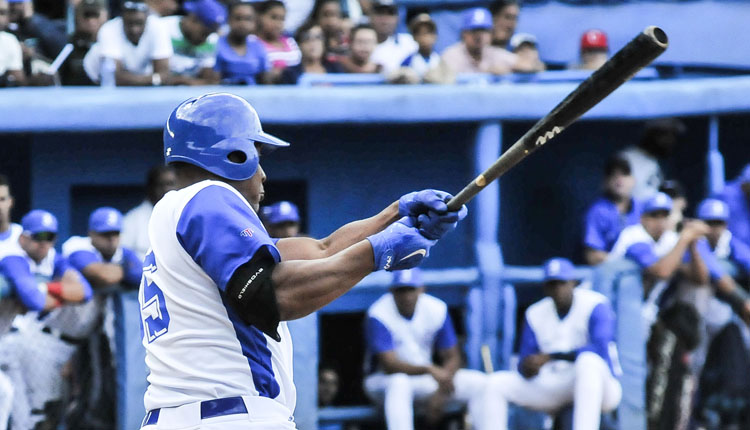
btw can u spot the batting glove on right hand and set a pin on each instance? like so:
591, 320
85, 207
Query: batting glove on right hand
420, 202
400, 246
434, 225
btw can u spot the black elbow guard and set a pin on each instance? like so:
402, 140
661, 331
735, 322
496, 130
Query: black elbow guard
251, 293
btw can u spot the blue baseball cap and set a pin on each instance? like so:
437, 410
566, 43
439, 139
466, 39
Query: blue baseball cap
210, 12
407, 278
658, 202
39, 221
280, 212
713, 210
559, 269
477, 18
105, 219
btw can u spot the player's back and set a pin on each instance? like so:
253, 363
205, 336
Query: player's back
197, 346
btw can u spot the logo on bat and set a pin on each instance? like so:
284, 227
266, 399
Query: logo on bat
541, 140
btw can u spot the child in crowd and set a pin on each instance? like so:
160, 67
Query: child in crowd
525, 46
282, 50
424, 31
241, 58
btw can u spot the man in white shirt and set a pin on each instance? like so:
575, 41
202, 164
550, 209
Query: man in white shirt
393, 48
139, 45
11, 57
134, 233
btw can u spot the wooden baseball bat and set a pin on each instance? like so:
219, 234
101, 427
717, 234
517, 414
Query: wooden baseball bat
638, 53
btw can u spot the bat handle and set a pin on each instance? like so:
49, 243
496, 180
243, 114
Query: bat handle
467, 193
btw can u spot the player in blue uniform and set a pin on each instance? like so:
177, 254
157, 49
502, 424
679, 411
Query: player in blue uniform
612, 212
42, 281
281, 219
404, 328
217, 290
567, 355
736, 194
724, 244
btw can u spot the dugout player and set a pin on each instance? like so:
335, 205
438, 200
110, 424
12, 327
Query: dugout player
42, 280
217, 290
281, 219
567, 354
9, 231
404, 328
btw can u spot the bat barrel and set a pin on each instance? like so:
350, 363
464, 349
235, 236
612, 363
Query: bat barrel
638, 53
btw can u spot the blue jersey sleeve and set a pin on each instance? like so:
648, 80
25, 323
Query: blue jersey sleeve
529, 344
445, 338
378, 337
16, 270
62, 265
221, 233
740, 254
133, 268
709, 258
81, 259
601, 331
642, 253
594, 235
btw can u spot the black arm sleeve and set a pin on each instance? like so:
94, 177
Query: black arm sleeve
251, 293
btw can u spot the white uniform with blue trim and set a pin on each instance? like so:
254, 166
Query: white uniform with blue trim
197, 347
413, 340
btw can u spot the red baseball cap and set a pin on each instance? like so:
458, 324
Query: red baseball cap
594, 39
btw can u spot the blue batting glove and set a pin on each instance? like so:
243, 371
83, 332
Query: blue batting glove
434, 225
400, 246
420, 202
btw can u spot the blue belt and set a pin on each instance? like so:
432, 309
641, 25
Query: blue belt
209, 409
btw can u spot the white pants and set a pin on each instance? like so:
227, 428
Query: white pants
263, 414
589, 384
397, 393
6, 400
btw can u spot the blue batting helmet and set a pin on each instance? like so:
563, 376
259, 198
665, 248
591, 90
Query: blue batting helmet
206, 130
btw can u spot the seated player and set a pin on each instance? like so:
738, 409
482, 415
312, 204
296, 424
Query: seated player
567, 355
715, 213
281, 219
404, 327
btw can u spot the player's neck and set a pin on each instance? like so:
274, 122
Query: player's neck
4, 226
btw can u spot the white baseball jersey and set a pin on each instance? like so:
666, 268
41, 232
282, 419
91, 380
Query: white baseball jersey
412, 339
647, 248
197, 346
588, 326
10, 236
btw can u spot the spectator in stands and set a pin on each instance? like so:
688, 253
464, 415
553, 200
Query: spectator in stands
89, 17
328, 385
9, 231
676, 192
43, 281
524, 45
363, 41
310, 38
139, 46
504, 20
163, 7
403, 330
159, 181
416, 65
393, 47
282, 50
11, 55
327, 14
40, 36
281, 219
594, 50
474, 54
725, 245
567, 353
194, 41
658, 142
241, 58
612, 212
736, 194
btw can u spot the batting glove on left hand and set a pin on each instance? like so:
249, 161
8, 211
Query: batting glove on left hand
400, 246
434, 225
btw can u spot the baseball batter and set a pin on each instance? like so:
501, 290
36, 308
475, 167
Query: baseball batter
567, 355
217, 289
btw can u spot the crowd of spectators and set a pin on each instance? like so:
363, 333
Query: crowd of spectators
242, 42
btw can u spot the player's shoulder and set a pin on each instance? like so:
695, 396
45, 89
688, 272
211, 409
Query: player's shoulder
11, 249
540, 309
589, 297
77, 243
383, 308
634, 233
432, 303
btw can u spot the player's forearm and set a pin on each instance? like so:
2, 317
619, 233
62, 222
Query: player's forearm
103, 274
304, 286
697, 267
398, 366
451, 360
666, 266
74, 289
595, 256
357, 231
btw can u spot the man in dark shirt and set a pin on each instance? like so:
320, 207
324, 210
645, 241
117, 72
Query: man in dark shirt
90, 15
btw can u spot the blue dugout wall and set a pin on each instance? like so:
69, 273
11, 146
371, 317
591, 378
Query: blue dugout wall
357, 149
